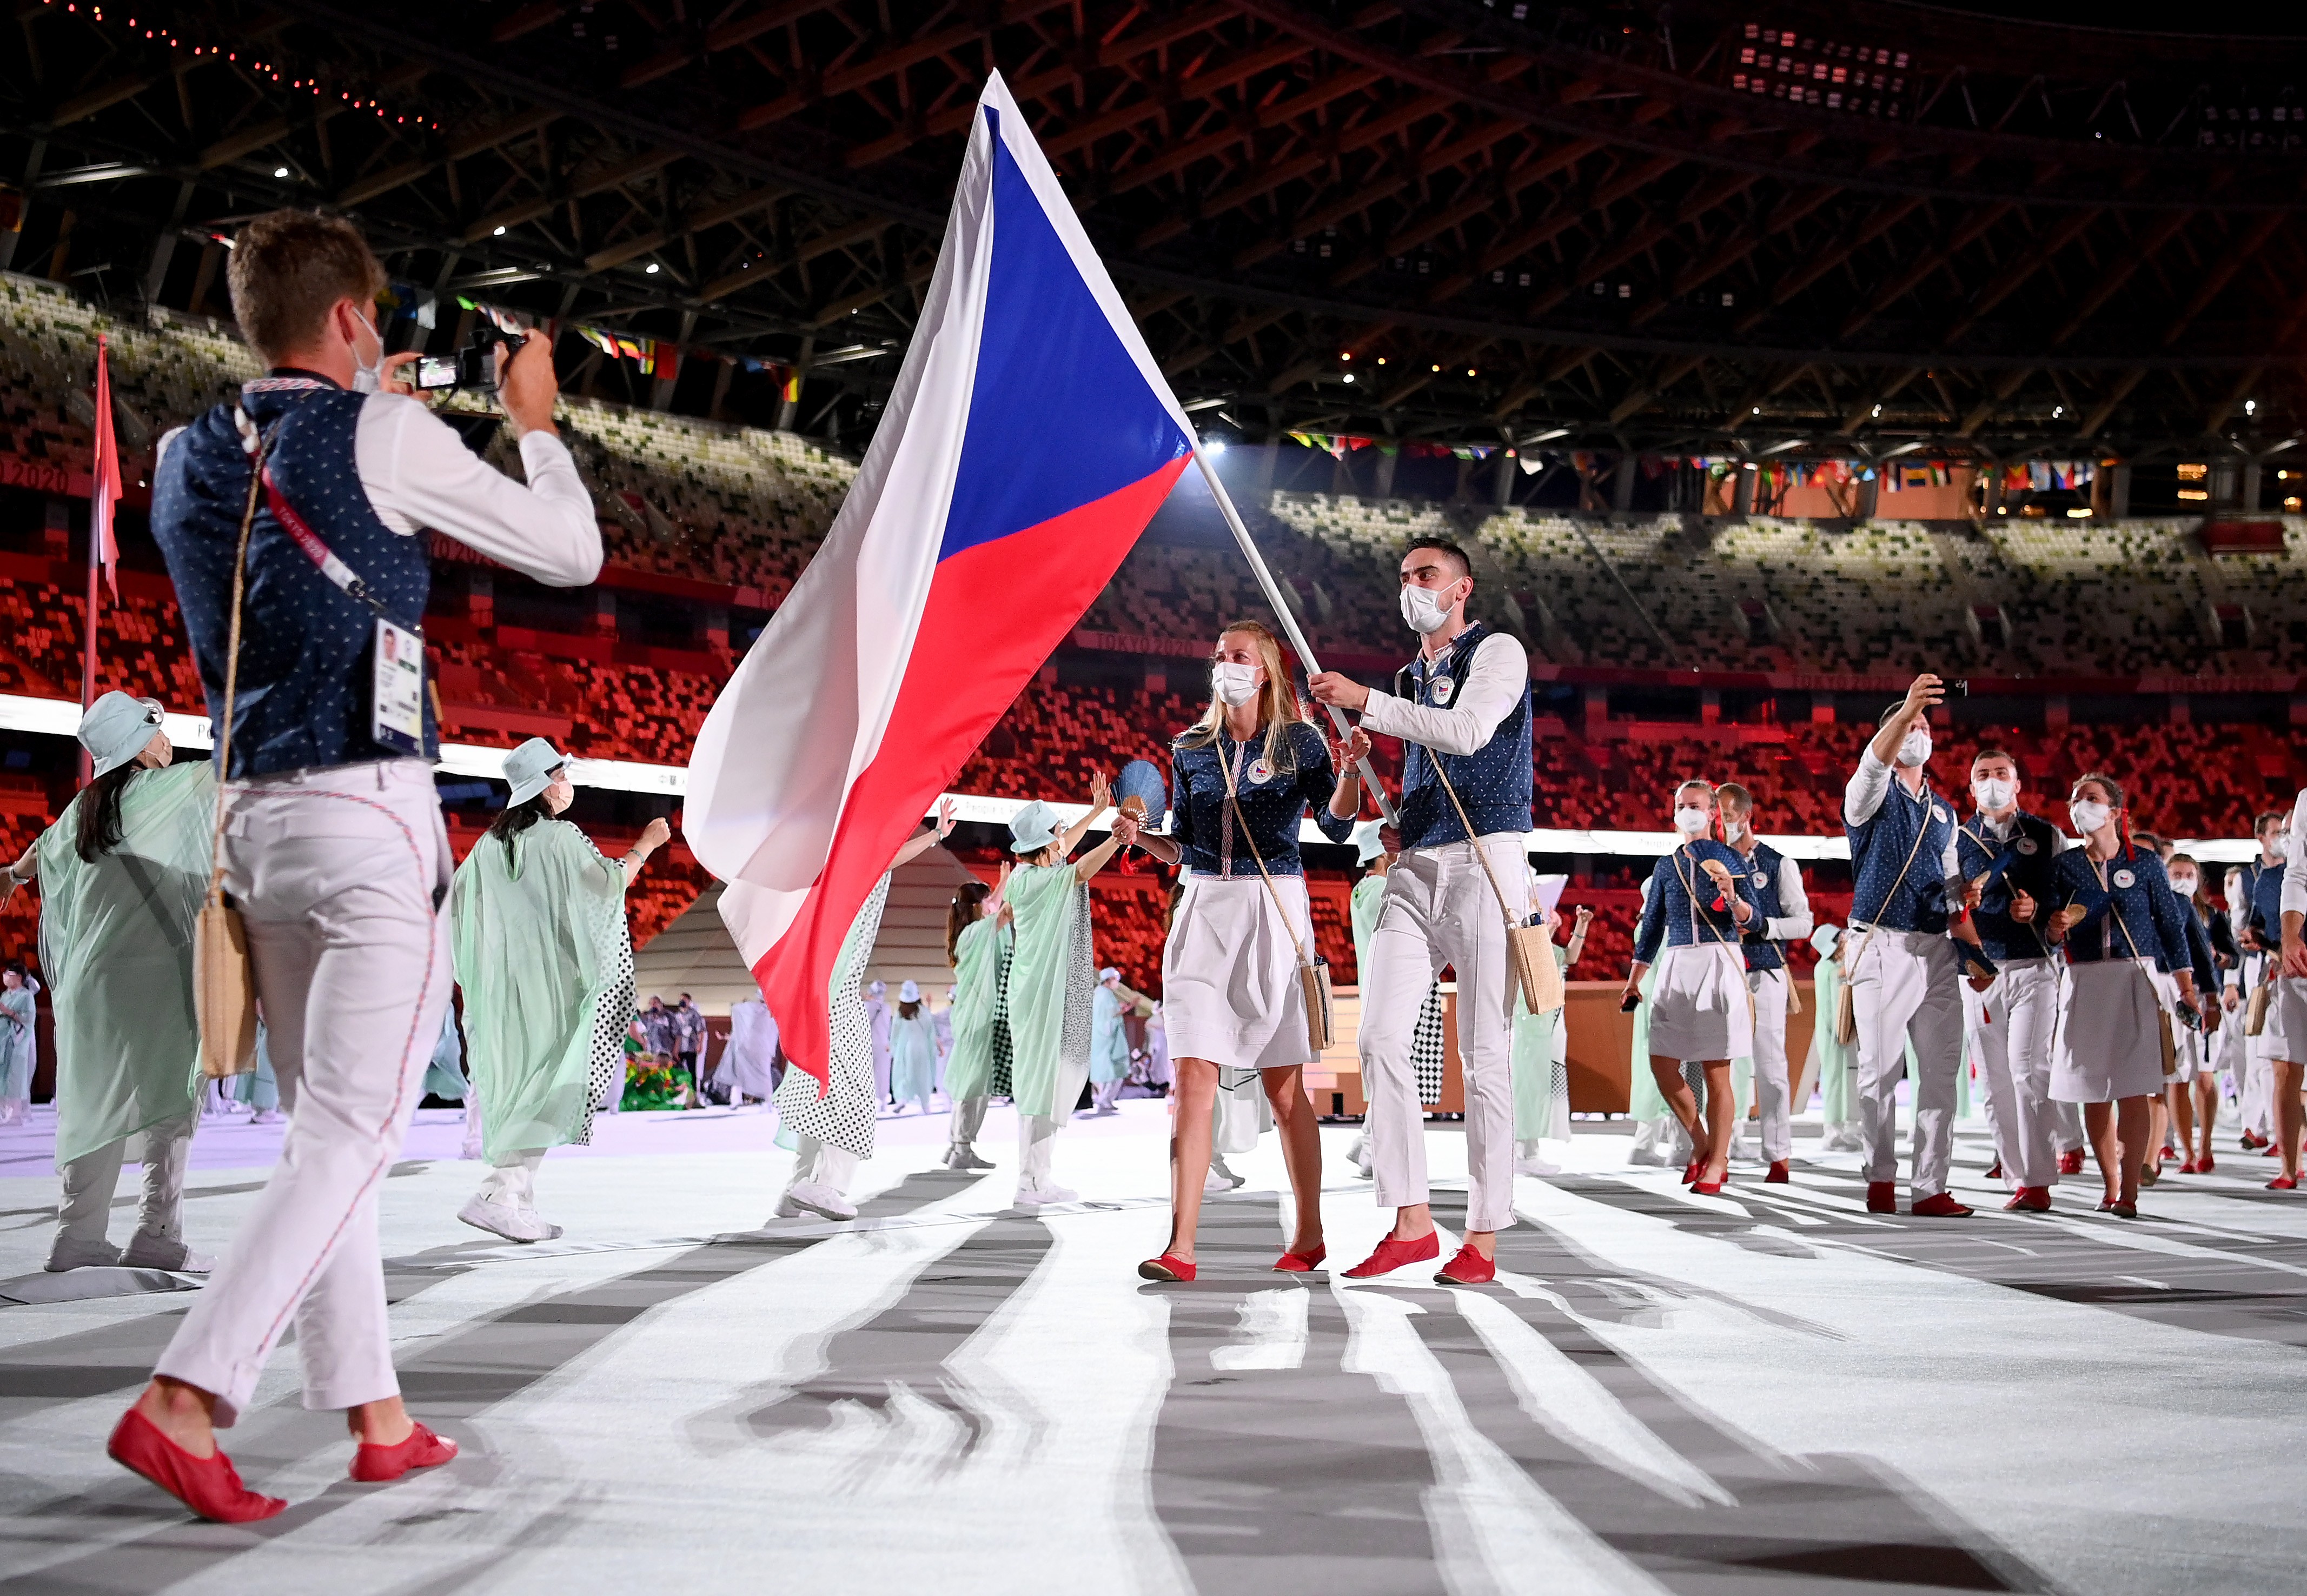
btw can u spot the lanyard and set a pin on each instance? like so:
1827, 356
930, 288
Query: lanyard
300, 531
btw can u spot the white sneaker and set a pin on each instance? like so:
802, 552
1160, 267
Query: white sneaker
270, 1116
157, 1252
1221, 1179
61, 1256
1538, 1167
811, 1197
966, 1157
500, 1218
1034, 1197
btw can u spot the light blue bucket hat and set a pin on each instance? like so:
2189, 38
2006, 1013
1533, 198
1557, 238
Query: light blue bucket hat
1033, 828
529, 768
117, 728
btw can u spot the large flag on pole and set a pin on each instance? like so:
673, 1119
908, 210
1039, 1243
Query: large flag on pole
106, 494
1029, 439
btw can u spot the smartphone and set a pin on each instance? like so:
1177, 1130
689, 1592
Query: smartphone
1630, 1003
436, 372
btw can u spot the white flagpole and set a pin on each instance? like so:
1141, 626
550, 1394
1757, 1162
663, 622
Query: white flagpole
1288, 618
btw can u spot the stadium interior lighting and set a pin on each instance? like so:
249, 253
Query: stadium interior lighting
281, 171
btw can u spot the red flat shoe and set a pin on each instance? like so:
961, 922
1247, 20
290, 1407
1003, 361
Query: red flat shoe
1469, 1267
209, 1486
2189, 1167
1776, 1174
1692, 1170
2072, 1163
1939, 1205
2284, 1182
2029, 1199
2205, 1165
1168, 1267
2251, 1138
1710, 1187
1881, 1197
1392, 1255
1996, 1172
2123, 1210
1294, 1262
423, 1449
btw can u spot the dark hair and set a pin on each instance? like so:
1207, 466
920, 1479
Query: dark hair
966, 907
15, 967
908, 1010
516, 818
1732, 793
287, 268
1442, 546
2018, 768
2260, 824
98, 804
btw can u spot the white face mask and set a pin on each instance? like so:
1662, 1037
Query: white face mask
1994, 792
1734, 831
2184, 885
2088, 815
1916, 751
1425, 609
1692, 821
2277, 846
1234, 684
368, 376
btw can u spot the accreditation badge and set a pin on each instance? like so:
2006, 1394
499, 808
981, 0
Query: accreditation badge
397, 699
1441, 690
1261, 772
2028, 845
2125, 878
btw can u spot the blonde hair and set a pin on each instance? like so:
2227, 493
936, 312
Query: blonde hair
1278, 709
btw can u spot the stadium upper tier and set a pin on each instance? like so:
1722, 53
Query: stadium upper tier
743, 509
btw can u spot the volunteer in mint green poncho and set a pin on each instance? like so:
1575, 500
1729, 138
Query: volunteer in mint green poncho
1051, 978
1540, 1086
538, 927
977, 933
122, 875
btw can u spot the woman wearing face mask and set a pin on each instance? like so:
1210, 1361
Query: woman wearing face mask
1700, 900
2194, 1091
122, 876
1242, 779
2119, 923
538, 927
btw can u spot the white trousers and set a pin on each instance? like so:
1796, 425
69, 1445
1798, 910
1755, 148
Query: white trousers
1907, 984
968, 1118
821, 1164
512, 1180
1440, 910
84, 1209
340, 874
1037, 1132
2010, 1026
1773, 1092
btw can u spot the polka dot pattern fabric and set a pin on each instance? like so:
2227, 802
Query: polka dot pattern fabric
845, 1114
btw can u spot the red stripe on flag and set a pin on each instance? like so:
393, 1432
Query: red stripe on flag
995, 611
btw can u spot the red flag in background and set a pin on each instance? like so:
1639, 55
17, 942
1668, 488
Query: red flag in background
106, 493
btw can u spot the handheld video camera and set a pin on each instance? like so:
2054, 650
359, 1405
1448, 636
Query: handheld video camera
472, 369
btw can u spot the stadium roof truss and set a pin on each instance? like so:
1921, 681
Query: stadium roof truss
1430, 220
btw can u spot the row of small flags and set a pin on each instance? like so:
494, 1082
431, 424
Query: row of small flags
1340, 445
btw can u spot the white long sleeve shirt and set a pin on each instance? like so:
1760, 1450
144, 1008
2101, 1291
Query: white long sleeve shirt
2294, 860
1493, 685
420, 476
1797, 922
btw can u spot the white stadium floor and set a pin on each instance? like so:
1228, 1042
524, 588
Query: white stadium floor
1767, 1391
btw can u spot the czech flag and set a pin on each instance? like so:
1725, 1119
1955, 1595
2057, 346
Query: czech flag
1029, 439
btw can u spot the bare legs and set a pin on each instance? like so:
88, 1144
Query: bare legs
2118, 1139
1302, 1151
1709, 1140
2207, 1117
2289, 1113
186, 1415
2181, 1108
1190, 1152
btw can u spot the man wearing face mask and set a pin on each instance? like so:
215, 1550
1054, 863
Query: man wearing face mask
2008, 1019
1785, 918
1461, 708
1904, 972
2259, 930
333, 845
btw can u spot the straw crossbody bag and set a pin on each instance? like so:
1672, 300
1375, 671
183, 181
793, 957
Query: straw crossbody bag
2161, 1015
1313, 969
1690, 890
1530, 949
223, 982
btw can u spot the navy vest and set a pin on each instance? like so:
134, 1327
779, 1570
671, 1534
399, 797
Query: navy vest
302, 699
1880, 846
1763, 875
1492, 782
2032, 852
2263, 887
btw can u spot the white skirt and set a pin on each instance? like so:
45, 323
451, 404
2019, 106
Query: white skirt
2286, 1018
1230, 989
1702, 1007
2110, 1042
2188, 1043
